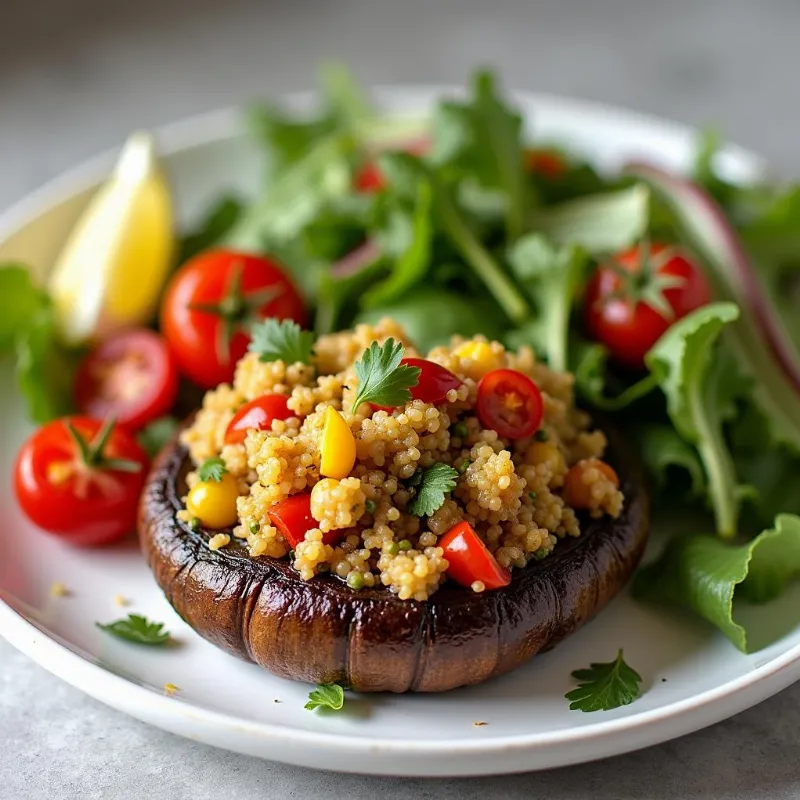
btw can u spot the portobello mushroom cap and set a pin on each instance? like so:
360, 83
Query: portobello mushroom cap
321, 631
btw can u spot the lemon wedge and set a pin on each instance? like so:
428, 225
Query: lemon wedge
112, 269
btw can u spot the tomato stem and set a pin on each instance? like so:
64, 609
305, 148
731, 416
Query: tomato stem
93, 455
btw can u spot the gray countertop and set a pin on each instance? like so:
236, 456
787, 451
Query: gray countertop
77, 75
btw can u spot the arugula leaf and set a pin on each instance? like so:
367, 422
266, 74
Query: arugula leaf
329, 695
155, 435
218, 220
552, 277
662, 449
599, 223
435, 482
20, 300
700, 398
137, 629
605, 686
282, 340
212, 469
382, 379
482, 139
704, 574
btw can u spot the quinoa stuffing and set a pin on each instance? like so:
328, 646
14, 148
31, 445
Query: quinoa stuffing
387, 468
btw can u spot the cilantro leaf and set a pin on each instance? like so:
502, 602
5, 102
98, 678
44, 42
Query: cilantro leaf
382, 379
137, 629
705, 575
700, 386
436, 481
329, 695
212, 469
605, 686
155, 435
282, 340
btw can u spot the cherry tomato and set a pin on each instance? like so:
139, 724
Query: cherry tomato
617, 310
577, 485
257, 414
510, 403
369, 179
80, 479
209, 303
131, 377
435, 381
547, 163
293, 518
470, 559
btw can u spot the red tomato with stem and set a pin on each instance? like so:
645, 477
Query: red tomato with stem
470, 559
435, 381
257, 414
209, 304
293, 518
634, 298
510, 403
80, 479
131, 377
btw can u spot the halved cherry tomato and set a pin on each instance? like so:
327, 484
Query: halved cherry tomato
470, 559
548, 163
131, 377
631, 301
257, 414
293, 518
209, 303
435, 381
80, 479
577, 485
510, 403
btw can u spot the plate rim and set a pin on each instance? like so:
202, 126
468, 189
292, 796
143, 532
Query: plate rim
143, 702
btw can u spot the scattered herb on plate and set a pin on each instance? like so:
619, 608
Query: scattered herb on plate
138, 629
605, 686
328, 696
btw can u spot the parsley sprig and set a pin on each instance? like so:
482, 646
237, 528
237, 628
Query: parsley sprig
212, 469
432, 485
605, 686
382, 378
282, 340
137, 629
329, 695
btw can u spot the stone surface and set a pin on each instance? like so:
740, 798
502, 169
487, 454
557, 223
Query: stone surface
77, 75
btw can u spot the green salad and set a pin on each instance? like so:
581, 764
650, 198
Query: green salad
670, 298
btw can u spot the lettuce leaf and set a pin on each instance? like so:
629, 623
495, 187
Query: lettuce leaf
704, 574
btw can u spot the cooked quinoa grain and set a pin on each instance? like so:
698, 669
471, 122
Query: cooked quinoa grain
518, 495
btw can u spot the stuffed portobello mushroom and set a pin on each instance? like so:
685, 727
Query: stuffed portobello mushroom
350, 511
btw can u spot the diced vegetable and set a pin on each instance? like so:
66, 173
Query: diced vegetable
470, 560
213, 502
257, 415
337, 446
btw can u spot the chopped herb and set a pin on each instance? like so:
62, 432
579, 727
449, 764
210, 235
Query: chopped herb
541, 435
194, 523
137, 629
212, 469
370, 506
459, 429
282, 340
541, 553
254, 527
437, 481
404, 544
605, 686
463, 465
382, 379
329, 696
532, 495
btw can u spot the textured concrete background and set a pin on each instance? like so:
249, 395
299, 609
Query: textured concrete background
77, 75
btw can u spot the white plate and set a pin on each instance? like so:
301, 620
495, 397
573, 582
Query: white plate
693, 677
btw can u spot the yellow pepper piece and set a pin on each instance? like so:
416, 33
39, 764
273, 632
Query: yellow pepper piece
338, 446
480, 357
214, 502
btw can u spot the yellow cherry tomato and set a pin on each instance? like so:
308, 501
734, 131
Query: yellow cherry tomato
214, 502
338, 446
546, 453
480, 359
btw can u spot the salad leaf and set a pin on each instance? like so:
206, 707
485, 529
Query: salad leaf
281, 340
605, 686
663, 449
704, 574
482, 139
219, 219
138, 629
699, 399
330, 696
382, 379
553, 277
435, 482
20, 300
599, 223
155, 435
